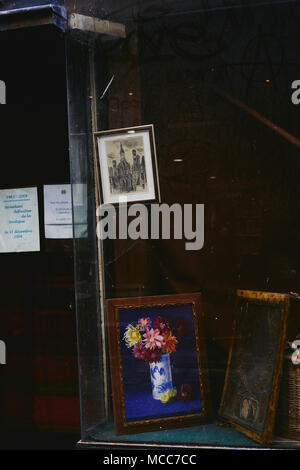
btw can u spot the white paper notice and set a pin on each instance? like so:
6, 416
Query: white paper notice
58, 211
19, 220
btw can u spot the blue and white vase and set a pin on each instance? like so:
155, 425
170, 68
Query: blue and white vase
161, 376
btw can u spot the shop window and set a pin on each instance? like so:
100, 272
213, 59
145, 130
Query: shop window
215, 84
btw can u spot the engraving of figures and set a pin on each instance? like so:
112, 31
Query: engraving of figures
126, 167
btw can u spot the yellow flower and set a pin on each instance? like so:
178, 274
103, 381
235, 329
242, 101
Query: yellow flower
132, 336
168, 395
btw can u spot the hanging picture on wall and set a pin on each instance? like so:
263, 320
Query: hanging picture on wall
158, 362
254, 367
127, 165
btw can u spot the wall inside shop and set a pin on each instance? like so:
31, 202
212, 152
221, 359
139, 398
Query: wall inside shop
215, 85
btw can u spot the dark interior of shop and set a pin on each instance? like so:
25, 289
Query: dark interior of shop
217, 86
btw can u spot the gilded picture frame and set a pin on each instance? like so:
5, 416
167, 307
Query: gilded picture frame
252, 381
174, 390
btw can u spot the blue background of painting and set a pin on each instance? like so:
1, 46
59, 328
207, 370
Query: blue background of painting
136, 373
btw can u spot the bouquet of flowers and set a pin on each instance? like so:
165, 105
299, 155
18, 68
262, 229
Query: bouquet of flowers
149, 341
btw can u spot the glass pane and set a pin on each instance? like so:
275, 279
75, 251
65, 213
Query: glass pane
216, 83
85, 244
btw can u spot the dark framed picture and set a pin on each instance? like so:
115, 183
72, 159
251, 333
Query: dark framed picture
127, 165
253, 373
158, 362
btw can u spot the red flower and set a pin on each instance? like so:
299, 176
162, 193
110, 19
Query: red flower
162, 325
139, 351
180, 328
185, 393
152, 355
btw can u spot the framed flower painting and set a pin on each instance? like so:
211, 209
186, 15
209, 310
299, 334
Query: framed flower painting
158, 362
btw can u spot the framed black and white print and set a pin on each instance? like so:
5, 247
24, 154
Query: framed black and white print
127, 165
